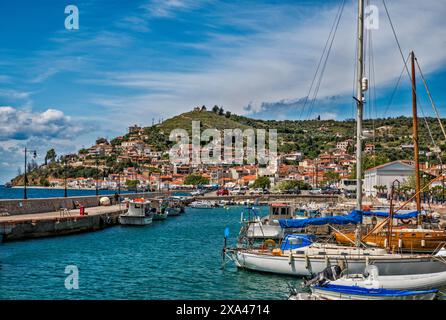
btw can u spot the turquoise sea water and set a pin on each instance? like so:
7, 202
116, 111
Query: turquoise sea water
179, 258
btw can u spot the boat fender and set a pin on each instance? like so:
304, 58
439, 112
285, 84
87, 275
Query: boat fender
268, 243
423, 243
385, 243
400, 243
108, 220
341, 264
367, 262
307, 262
327, 261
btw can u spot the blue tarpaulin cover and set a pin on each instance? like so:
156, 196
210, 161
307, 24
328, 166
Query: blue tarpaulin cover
296, 241
403, 216
354, 217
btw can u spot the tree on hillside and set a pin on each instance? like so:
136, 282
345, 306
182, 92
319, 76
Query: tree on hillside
332, 177
262, 182
215, 109
221, 111
228, 114
31, 166
50, 156
101, 140
195, 180
131, 184
293, 184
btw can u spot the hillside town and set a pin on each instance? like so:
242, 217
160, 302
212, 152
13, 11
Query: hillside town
143, 167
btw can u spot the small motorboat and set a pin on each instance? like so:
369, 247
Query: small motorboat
330, 285
138, 213
338, 292
160, 216
173, 207
202, 204
158, 210
372, 280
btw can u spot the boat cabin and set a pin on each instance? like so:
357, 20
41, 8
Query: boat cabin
281, 211
138, 207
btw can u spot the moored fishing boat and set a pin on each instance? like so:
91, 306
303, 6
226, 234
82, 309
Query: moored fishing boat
268, 227
173, 207
138, 213
159, 212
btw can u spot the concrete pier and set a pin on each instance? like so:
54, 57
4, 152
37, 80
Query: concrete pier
50, 224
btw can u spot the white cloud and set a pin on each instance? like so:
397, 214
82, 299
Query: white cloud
274, 64
21, 124
14, 94
167, 8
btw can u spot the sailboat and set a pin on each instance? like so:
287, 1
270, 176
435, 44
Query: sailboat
404, 238
301, 258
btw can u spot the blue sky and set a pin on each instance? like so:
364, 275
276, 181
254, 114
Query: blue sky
134, 61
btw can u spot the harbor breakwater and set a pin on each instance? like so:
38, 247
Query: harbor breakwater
30, 206
38, 218
57, 226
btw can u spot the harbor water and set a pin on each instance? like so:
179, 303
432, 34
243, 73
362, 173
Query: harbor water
179, 258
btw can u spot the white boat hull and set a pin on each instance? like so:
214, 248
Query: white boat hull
135, 220
301, 266
398, 282
330, 295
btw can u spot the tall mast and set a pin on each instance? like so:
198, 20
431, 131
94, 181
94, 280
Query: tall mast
415, 134
360, 104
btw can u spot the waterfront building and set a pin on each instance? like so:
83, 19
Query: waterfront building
385, 175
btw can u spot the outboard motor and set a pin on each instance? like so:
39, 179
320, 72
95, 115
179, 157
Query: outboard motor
328, 274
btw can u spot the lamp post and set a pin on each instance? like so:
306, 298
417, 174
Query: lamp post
119, 183
34, 153
97, 175
65, 177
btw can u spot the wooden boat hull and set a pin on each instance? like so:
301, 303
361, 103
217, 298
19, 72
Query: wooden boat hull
301, 265
417, 242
